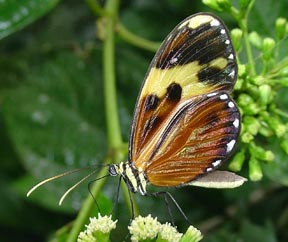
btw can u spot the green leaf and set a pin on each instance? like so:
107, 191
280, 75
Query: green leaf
15, 15
55, 121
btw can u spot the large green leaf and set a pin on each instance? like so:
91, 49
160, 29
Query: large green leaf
15, 15
56, 121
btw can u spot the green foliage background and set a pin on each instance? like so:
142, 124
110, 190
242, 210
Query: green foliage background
52, 119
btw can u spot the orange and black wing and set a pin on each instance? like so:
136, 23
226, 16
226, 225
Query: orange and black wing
199, 136
195, 59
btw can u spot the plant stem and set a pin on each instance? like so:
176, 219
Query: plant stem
136, 40
281, 113
243, 25
112, 120
113, 126
96, 8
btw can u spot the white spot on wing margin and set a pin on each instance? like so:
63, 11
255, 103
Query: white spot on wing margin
230, 145
214, 22
236, 123
223, 96
216, 163
211, 94
231, 104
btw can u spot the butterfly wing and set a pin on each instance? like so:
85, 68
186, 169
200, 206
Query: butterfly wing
199, 136
196, 58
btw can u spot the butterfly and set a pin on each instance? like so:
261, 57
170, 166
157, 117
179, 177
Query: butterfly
185, 122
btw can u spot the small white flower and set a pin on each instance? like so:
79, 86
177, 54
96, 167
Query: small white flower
101, 224
86, 237
104, 224
143, 228
169, 233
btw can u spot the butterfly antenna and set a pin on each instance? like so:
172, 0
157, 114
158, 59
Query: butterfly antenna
53, 178
60, 176
75, 185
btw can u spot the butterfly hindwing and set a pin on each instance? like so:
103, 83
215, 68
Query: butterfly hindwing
197, 139
196, 58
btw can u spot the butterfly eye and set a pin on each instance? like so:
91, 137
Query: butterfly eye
112, 170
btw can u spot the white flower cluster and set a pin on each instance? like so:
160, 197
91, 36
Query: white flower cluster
143, 228
101, 224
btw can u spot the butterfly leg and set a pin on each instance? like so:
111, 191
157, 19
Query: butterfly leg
132, 206
90, 191
116, 196
167, 196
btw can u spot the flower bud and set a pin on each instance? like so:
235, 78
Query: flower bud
252, 124
242, 70
258, 81
276, 124
280, 27
255, 39
192, 235
260, 153
265, 94
246, 137
236, 36
248, 105
255, 170
268, 48
265, 131
269, 156
239, 84
237, 161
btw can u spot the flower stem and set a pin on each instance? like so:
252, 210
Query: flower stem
113, 126
243, 23
112, 120
135, 40
96, 8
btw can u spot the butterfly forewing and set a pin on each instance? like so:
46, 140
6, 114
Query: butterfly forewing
196, 58
194, 66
